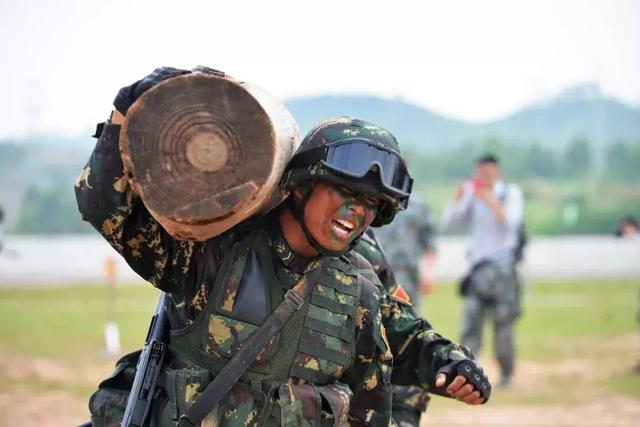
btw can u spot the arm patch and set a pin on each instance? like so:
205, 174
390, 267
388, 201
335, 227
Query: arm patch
401, 294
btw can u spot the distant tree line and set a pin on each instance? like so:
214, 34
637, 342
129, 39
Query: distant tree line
50, 209
532, 160
44, 191
40, 190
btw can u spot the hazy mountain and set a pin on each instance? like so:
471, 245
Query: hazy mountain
578, 111
410, 123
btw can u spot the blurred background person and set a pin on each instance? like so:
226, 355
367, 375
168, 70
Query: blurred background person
1, 228
409, 246
630, 230
493, 211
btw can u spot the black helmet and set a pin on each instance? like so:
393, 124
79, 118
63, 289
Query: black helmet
357, 154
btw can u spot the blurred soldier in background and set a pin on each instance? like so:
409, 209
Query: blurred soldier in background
630, 230
1, 228
4, 251
493, 210
408, 242
409, 402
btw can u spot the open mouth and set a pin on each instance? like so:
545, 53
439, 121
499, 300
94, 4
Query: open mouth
342, 227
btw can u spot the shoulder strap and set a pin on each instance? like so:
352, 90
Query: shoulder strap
246, 355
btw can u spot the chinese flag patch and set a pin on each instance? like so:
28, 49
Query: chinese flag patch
401, 294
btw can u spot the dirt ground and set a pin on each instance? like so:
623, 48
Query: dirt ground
49, 393
58, 400
568, 392
615, 411
582, 405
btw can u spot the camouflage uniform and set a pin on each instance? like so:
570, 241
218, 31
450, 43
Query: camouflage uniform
330, 364
405, 240
494, 289
409, 402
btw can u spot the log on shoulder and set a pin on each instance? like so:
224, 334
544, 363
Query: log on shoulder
205, 152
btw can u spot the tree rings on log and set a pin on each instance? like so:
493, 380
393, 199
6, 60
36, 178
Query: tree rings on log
205, 152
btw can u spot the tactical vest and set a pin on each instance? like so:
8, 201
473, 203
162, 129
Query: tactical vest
300, 364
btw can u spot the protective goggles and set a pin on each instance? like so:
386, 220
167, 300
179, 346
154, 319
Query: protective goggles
355, 157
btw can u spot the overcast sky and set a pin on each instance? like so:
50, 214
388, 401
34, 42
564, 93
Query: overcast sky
63, 61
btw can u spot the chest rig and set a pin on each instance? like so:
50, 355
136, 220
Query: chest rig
315, 346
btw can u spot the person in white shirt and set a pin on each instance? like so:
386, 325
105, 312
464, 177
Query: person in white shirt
493, 212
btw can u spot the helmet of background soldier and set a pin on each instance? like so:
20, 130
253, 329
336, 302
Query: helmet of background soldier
357, 154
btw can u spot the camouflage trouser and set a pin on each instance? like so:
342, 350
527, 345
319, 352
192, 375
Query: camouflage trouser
409, 402
494, 289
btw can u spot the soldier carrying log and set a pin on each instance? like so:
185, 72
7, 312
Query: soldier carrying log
275, 290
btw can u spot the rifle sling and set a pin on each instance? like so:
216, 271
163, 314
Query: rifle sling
246, 355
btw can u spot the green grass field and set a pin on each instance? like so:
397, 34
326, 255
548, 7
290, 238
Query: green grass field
576, 341
553, 312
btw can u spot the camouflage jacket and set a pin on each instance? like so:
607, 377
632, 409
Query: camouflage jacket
337, 346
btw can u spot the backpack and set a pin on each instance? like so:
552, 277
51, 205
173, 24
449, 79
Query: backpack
522, 237
521, 242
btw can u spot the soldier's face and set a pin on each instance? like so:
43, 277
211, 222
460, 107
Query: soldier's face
335, 216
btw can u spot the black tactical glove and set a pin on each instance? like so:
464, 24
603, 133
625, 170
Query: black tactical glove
467, 368
128, 94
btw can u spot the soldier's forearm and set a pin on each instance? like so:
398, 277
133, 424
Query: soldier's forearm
422, 357
105, 198
102, 189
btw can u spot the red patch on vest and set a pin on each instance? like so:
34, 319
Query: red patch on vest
401, 294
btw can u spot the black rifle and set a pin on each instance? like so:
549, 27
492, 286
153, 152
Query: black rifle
148, 368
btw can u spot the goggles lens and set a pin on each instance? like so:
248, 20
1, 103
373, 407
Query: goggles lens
356, 157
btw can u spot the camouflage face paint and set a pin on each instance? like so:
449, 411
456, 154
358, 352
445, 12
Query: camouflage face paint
336, 216
351, 201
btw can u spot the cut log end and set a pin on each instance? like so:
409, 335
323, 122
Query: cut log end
203, 151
